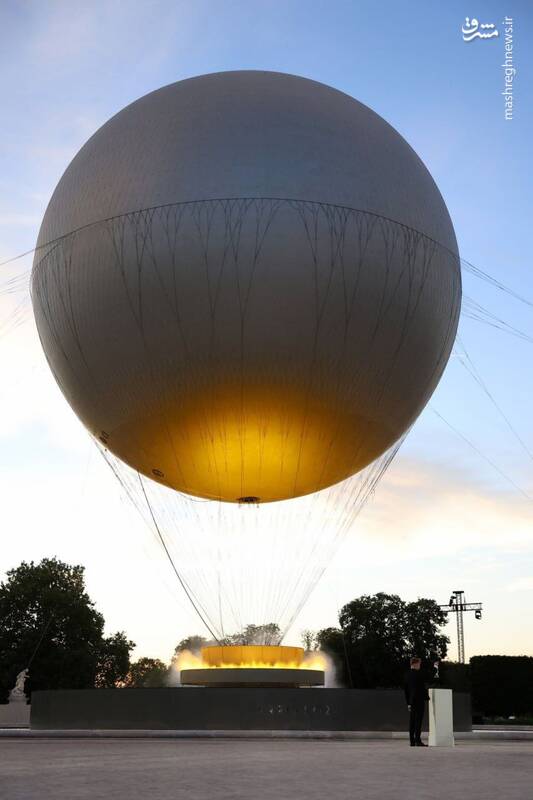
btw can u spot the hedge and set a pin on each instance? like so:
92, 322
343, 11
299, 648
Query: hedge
502, 685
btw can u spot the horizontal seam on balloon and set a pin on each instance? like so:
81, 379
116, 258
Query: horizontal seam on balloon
87, 225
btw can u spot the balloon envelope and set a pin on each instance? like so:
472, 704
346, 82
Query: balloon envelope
247, 286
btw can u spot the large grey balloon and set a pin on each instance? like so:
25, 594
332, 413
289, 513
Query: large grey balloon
247, 285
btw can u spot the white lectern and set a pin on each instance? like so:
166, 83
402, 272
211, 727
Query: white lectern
441, 718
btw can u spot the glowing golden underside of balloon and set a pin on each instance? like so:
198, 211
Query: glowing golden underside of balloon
265, 442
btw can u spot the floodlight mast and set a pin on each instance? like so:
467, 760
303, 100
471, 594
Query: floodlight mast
458, 606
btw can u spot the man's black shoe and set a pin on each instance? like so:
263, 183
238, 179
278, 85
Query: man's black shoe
413, 744
420, 744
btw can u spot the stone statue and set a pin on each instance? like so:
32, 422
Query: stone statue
17, 692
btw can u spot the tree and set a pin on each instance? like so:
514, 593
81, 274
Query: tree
332, 641
113, 664
378, 634
424, 617
266, 634
309, 640
49, 623
192, 643
455, 676
147, 673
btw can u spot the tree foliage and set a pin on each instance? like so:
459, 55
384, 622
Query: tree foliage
379, 633
192, 643
255, 634
266, 634
49, 623
147, 673
113, 663
455, 676
309, 640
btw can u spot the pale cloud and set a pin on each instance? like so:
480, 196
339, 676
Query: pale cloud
95, 34
30, 399
439, 509
66, 36
20, 220
430, 529
524, 584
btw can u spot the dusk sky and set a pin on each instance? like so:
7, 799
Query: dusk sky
447, 515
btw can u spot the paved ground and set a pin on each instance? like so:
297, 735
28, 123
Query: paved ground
260, 770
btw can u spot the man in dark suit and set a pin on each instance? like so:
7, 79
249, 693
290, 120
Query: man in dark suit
416, 696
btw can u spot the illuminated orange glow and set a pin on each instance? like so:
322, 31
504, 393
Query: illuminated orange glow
252, 657
249, 655
266, 441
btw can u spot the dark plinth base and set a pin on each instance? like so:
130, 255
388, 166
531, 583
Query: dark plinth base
243, 677
230, 709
